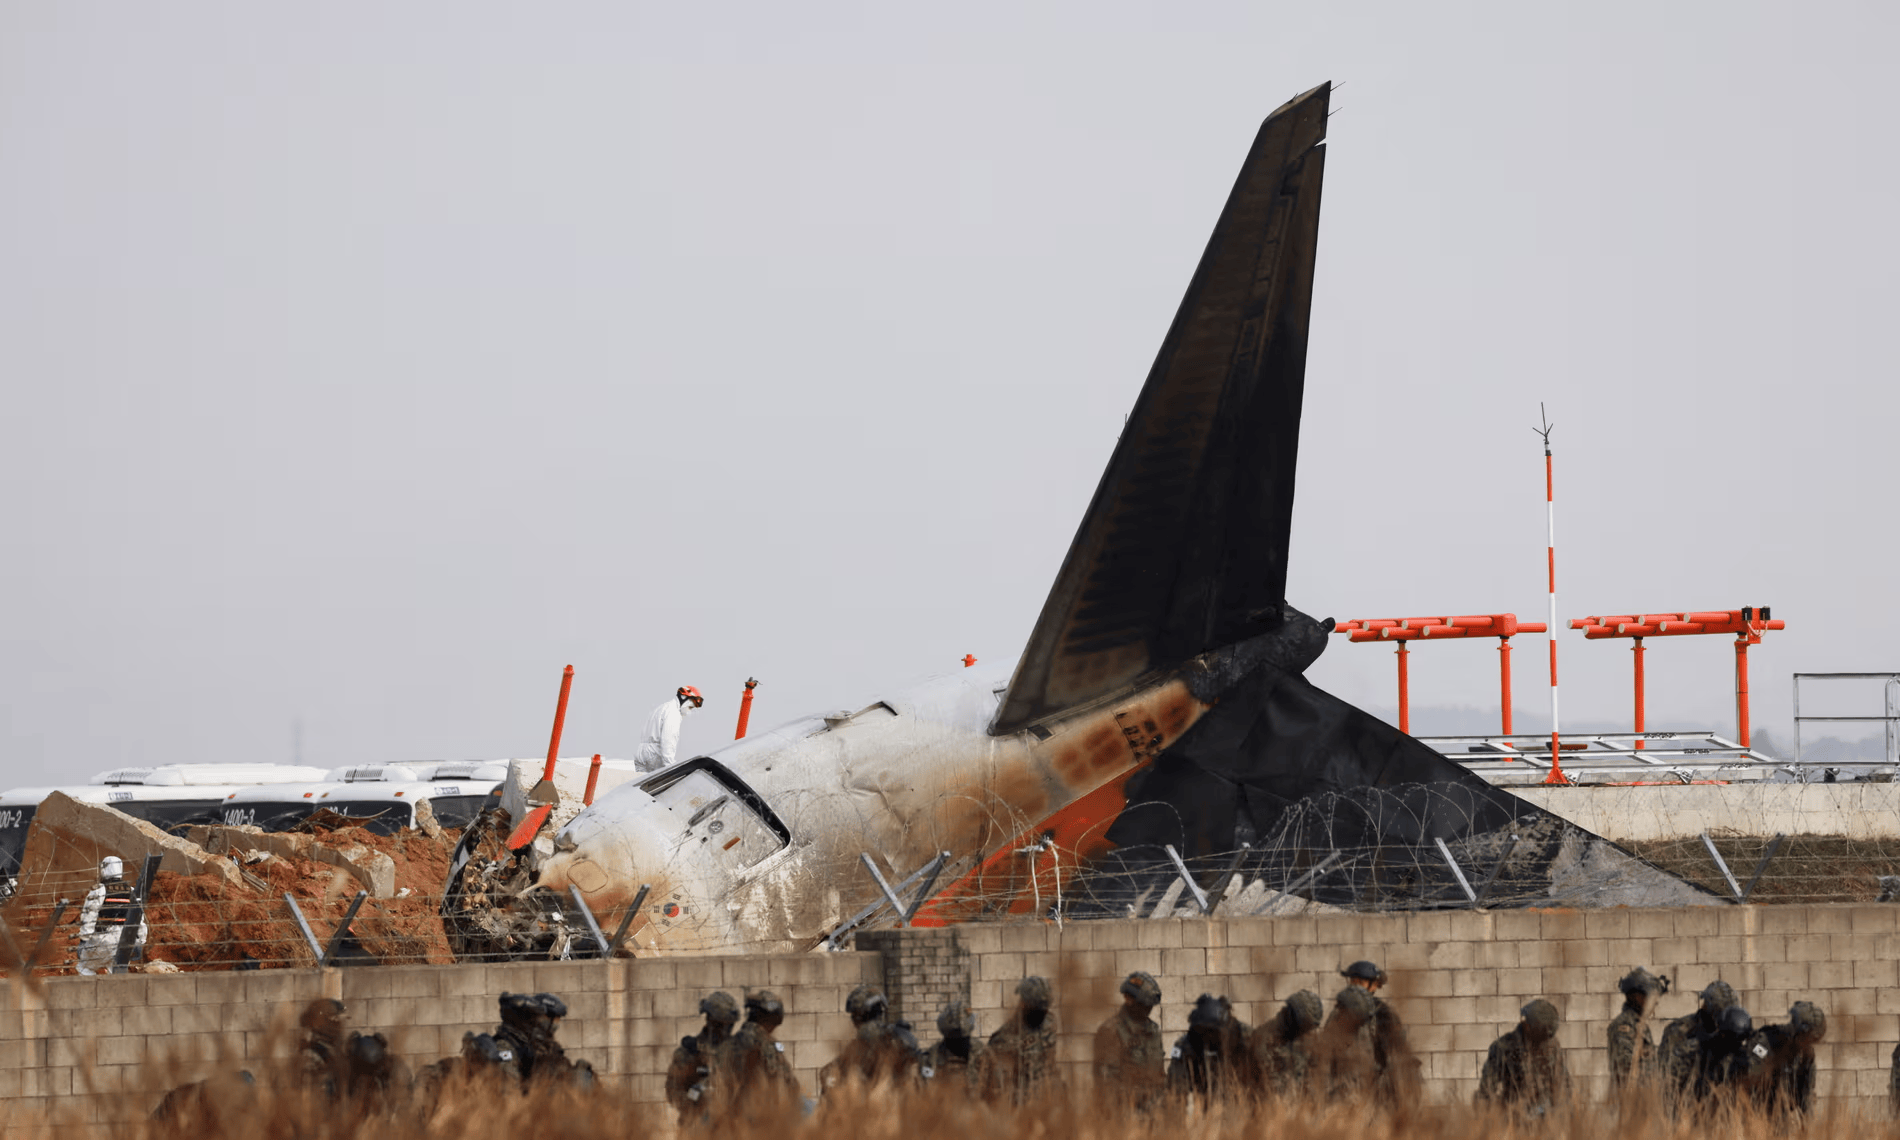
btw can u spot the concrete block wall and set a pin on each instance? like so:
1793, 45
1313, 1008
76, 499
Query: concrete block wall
1859, 810
1459, 978
107, 1048
98, 1046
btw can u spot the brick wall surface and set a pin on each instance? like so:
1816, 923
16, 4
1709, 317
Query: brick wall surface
98, 1045
923, 971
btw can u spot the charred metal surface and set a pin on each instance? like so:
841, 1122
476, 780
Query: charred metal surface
1184, 547
1160, 700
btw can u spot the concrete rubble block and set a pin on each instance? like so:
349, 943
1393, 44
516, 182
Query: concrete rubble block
373, 871
84, 833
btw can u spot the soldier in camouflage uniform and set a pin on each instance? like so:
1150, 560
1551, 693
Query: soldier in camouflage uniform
1283, 1048
322, 1054
1020, 1064
690, 1073
877, 1049
1525, 1070
1780, 1063
1724, 1068
1344, 1065
1396, 1068
526, 1033
477, 1068
755, 1078
950, 1062
1212, 1059
1632, 1049
1128, 1056
1682, 1039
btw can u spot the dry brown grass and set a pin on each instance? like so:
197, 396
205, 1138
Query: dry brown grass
478, 1113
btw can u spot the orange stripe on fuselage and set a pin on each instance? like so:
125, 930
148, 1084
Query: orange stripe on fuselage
1005, 882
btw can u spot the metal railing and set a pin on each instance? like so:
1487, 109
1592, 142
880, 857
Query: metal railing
1891, 719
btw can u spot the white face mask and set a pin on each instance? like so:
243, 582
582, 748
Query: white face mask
687, 707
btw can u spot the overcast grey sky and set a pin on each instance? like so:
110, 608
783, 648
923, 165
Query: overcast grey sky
364, 364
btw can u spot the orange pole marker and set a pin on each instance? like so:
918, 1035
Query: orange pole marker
1504, 682
969, 659
544, 794
1637, 649
745, 707
593, 778
1405, 692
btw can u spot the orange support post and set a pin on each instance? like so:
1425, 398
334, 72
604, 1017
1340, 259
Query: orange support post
593, 778
543, 793
745, 707
1637, 649
1405, 693
1504, 682
1741, 689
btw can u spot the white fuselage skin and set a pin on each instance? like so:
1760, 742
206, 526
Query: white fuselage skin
907, 777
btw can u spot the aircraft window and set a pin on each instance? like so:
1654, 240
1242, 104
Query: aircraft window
718, 811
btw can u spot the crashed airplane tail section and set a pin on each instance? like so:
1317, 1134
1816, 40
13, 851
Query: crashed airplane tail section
1159, 701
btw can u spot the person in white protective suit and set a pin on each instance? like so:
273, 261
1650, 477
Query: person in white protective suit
661, 744
102, 918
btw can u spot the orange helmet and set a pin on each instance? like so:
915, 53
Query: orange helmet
689, 693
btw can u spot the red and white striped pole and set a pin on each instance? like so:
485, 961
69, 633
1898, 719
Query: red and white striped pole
1556, 775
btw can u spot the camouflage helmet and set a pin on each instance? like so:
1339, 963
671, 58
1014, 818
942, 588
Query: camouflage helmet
1540, 1020
866, 1003
1034, 992
764, 1003
1306, 1010
718, 1006
1364, 971
1641, 981
368, 1051
900, 1032
1717, 996
1142, 986
520, 1009
1807, 1020
551, 1005
482, 1048
1208, 1012
1735, 1020
1355, 1005
324, 1015
956, 1020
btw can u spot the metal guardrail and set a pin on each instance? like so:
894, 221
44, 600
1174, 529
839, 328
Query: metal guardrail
1891, 719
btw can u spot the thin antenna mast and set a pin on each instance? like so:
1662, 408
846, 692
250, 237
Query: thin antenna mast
1556, 775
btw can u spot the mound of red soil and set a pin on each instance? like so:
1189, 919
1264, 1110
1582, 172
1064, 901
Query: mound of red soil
200, 922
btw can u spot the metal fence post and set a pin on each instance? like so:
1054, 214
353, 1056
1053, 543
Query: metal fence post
343, 928
129, 933
626, 920
1455, 869
1200, 896
303, 926
1722, 866
1774, 845
587, 916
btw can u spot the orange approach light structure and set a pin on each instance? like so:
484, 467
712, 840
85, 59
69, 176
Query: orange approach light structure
1747, 624
1501, 626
